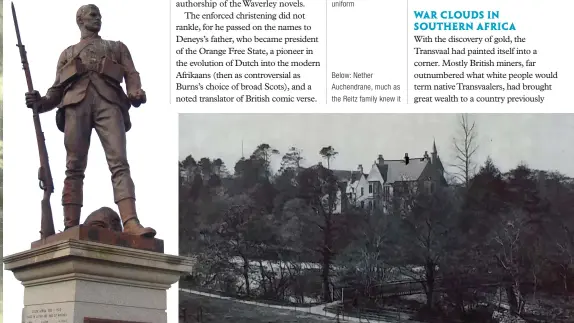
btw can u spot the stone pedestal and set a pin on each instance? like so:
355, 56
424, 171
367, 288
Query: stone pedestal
72, 279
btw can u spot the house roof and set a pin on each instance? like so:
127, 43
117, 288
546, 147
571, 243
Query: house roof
398, 171
439, 163
391, 170
347, 175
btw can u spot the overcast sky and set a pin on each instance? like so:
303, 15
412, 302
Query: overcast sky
543, 141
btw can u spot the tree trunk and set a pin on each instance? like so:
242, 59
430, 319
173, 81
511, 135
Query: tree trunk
246, 277
512, 300
325, 274
519, 296
535, 287
326, 270
565, 279
429, 280
263, 277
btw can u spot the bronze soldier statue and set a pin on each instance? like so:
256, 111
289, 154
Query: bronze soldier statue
88, 94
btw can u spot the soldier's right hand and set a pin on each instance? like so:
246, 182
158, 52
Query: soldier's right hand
32, 99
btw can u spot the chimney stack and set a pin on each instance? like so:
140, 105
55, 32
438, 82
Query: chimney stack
380, 160
360, 168
407, 158
320, 164
426, 156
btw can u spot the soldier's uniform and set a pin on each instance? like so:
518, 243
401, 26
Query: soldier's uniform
88, 94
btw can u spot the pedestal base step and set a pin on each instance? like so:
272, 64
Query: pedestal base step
105, 236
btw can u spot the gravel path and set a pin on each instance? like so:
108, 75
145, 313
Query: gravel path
256, 310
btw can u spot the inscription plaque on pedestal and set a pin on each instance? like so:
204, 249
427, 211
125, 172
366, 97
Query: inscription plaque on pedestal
89, 320
49, 313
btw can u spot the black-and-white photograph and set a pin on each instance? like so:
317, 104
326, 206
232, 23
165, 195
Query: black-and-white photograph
377, 217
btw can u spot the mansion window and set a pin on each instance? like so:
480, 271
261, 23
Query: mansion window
386, 193
362, 191
429, 187
370, 188
402, 188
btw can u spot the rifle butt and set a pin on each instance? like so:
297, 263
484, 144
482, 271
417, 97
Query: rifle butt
47, 226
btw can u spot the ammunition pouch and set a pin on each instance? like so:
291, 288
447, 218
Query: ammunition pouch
107, 67
61, 119
112, 70
71, 71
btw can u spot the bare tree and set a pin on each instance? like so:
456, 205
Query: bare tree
425, 232
509, 241
366, 258
565, 247
465, 147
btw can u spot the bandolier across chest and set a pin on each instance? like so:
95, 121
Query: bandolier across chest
92, 53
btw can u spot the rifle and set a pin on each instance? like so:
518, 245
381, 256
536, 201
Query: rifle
44, 174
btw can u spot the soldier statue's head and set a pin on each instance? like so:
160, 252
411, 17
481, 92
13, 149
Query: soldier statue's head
89, 18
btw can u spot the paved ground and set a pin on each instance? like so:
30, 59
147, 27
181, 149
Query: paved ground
217, 310
258, 310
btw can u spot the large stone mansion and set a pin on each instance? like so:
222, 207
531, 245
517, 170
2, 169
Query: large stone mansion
373, 188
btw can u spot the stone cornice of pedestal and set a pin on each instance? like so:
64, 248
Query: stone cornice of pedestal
85, 260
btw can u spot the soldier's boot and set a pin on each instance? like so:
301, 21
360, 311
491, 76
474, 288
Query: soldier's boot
130, 220
72, 213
